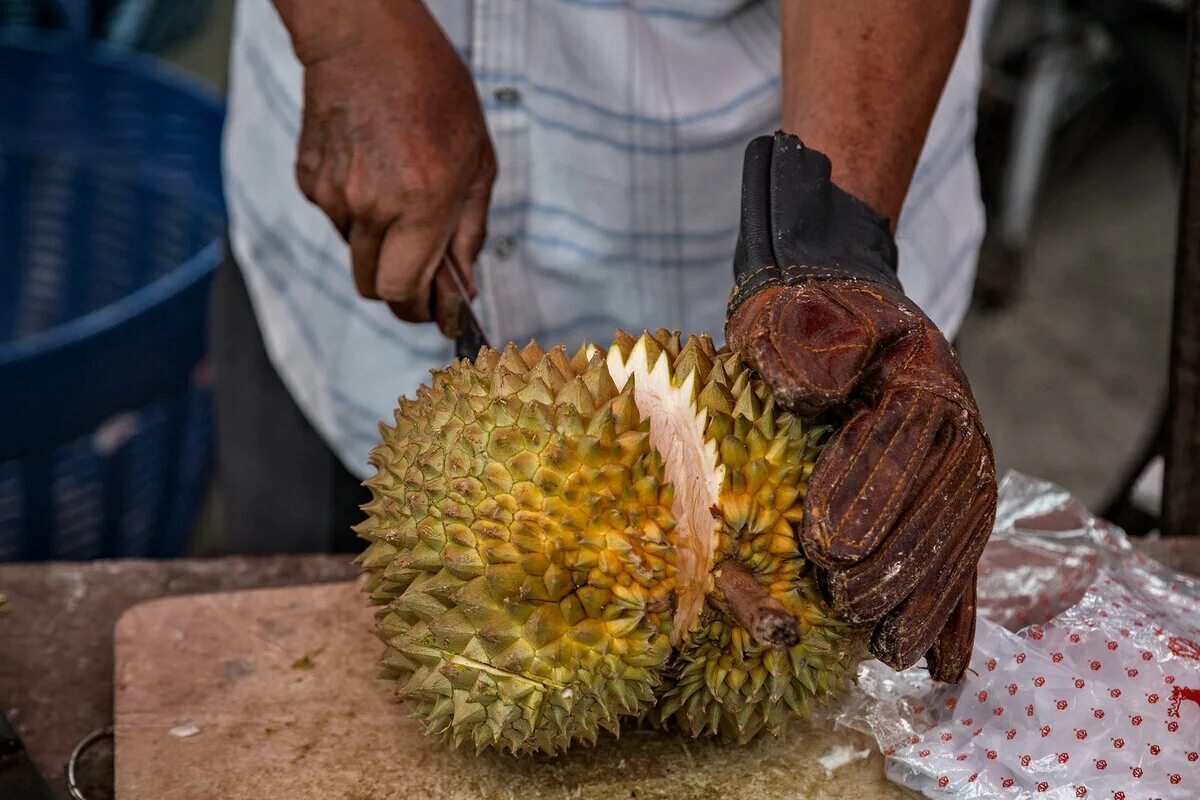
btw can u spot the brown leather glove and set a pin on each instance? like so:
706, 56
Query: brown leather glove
903, 498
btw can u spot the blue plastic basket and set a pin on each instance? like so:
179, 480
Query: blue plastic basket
110, 218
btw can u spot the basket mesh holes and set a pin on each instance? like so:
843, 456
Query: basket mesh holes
170, 233
48, 197
109, 178
145, 463
113, 236
132, 451
78, 502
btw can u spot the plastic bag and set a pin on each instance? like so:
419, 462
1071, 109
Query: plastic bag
1085, 681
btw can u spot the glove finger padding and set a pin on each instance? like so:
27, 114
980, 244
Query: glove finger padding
950, 655
864, 479
908, 632
921, 516
809, 347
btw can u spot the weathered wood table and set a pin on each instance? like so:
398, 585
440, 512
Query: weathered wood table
56, 640
56, 636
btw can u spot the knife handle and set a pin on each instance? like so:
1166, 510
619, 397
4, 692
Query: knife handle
447, 307
451, 309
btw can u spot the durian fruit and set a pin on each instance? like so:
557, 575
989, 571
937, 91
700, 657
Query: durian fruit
520, 550
561, 543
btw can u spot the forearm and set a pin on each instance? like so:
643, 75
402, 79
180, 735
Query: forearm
319, 28
861, 79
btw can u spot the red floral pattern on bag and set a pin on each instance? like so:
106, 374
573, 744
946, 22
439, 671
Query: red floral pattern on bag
1108, 676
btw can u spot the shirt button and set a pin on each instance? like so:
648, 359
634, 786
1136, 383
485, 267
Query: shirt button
504, 247
507, 95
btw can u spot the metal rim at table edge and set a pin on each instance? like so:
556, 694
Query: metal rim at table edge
87, 741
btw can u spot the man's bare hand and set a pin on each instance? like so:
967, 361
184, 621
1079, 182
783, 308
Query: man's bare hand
393, 147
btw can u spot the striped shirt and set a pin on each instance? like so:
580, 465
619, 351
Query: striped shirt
619, 127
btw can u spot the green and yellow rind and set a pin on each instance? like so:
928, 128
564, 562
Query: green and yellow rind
529, 567
519, 552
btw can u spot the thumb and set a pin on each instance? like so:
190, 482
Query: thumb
807, 346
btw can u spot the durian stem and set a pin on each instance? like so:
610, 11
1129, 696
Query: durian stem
754, 609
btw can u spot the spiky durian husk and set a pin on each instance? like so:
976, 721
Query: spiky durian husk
544, 546
519, 551
720, 680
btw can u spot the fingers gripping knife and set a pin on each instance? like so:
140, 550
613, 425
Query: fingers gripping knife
453, 312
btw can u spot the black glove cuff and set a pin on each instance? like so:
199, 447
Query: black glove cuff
798, 225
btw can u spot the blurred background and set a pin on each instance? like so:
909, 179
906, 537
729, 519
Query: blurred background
1066, 345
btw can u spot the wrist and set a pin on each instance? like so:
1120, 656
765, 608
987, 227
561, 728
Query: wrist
799, 226
323, 28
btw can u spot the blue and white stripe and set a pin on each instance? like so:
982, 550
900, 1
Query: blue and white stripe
619, 127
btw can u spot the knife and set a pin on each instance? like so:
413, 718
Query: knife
19, 778
458, 319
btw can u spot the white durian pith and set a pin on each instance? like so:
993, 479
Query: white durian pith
544, 532
677, 424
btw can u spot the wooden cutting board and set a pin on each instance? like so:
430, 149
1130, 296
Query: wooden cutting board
272, 694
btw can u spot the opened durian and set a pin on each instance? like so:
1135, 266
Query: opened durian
560, 545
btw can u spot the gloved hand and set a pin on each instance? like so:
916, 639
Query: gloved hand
902, 499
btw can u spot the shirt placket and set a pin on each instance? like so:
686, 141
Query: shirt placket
499, 42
